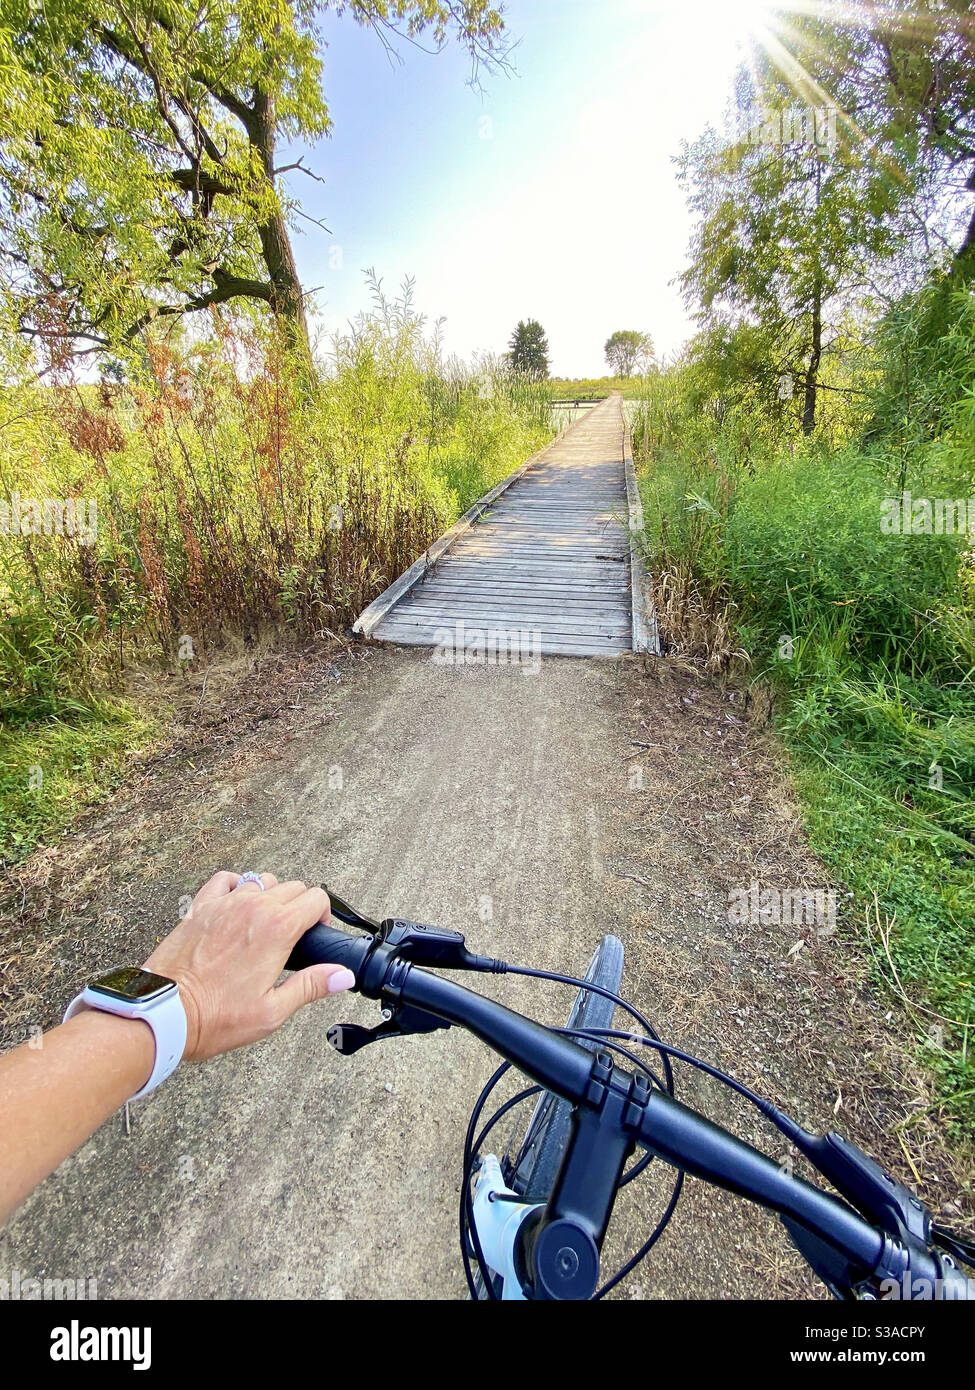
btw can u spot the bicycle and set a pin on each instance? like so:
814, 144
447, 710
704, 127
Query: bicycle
532, 1223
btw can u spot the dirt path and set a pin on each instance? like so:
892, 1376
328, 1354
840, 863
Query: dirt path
510, 807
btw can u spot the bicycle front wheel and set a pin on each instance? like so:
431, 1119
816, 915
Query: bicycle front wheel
533, 1171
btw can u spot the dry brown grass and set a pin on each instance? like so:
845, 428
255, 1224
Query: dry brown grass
694, 622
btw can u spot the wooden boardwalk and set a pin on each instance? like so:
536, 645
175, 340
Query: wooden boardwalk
548, 552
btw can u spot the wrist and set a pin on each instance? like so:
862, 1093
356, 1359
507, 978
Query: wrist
136, 995
125, 1045
190, 993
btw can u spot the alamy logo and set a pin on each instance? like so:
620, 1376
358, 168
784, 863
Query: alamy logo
787, 125
926, 1290
24, 1288
927, 516
789, 907
76, 517
478, 646
77, 1343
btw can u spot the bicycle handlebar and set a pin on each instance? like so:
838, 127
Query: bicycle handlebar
670, 1130
323, 945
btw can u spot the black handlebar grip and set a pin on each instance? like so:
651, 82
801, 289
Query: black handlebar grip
328, 946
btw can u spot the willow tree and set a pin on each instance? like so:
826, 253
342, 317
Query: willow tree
140, 174
793, 221
627, 349
904, 78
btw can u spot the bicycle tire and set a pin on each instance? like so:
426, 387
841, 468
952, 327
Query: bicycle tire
539, 1159
533, 1172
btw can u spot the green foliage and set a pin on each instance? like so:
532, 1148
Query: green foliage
921, 376
869, 638
563, 388
231, 500
813, 522
49, 772
138, 166
793, 228
528, 349
904, 82
138, 155
626, 350
835, 370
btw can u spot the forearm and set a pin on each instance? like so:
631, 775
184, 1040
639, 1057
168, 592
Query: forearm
227, 955
54, 1096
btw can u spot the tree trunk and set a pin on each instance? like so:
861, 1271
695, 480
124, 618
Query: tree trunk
287, 298
815, 356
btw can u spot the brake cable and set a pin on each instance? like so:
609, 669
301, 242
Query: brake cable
472, 1148
771, 1112
651, 1039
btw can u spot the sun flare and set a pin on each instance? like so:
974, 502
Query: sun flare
739, 20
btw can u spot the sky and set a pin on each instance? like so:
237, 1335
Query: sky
550, 194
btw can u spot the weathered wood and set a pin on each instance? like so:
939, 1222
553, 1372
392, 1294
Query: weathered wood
543, 560
603, 623
556, 592
646, 637
371, 616
549, 645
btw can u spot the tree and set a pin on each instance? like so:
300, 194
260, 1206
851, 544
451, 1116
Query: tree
792, 226
139, 167
628, 349
903, 79
529, 349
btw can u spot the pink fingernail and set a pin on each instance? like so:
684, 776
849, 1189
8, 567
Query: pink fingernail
342, 979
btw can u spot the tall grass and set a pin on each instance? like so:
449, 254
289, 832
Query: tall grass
232, 501
564, 388
767, 553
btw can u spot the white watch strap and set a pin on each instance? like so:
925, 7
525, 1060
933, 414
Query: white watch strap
165, 1016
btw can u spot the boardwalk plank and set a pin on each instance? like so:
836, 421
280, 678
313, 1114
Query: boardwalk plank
547, 555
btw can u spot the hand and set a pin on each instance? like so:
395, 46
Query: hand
227, 953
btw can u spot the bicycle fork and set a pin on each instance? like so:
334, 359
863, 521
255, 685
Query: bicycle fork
498, 1216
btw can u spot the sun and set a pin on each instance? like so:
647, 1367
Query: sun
732, 19
740, 13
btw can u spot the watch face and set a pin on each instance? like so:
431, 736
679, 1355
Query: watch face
133, 985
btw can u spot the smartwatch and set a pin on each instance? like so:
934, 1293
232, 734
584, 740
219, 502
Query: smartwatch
133, 993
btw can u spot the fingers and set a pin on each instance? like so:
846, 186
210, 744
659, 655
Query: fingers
224, 882
290, 908
282, 893
304, 986
304, 910
269, 881
217, 886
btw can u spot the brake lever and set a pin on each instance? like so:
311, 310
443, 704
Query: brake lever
875, 1193
349, 1038
348, 914
415, 942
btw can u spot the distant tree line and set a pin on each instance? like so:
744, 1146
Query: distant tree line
626, 351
